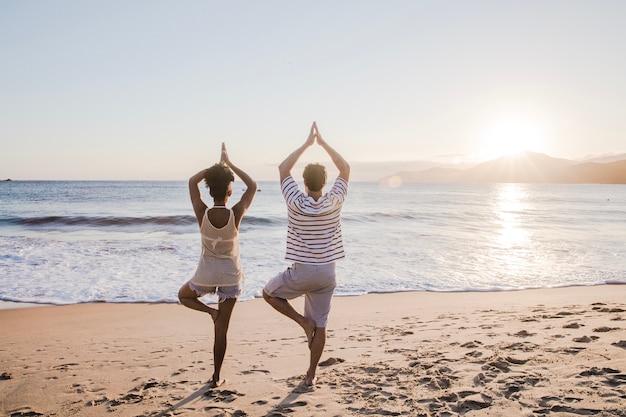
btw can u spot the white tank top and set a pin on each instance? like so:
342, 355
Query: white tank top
219, 264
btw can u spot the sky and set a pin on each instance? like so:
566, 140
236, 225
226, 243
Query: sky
149, 89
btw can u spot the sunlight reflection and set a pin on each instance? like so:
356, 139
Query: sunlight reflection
511, 201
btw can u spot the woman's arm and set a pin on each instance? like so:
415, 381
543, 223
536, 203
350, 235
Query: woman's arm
246, 198
199, 206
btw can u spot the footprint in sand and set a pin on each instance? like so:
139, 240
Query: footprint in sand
65, 366
497, 365
573, 350
598, 371
609, 310
517, 383
26, 414
462, 407
136, 394
621, 344
126, 399
296, 404
180, 371
605, 329
610, 377
558, 408
248, 372
516, 361
223, 411
226, 396
523, 346
524, 333
617, 380
585, 339
97, 401
285, 408
331, 361
471, 345
561, 314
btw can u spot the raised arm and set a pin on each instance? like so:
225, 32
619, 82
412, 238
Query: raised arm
341, 164
199, 207
246, 198
285, 167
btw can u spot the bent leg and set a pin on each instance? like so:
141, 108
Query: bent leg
317, 347
221, 330
284, 307
190, 299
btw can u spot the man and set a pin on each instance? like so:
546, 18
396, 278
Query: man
314, 243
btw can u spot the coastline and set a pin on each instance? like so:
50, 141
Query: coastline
8, 305
560, 351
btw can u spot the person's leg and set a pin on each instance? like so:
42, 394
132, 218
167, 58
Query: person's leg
221, 329
317, 347
284, 307
317, 307
189, 298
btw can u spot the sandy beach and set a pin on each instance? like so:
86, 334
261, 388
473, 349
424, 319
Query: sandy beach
557, 352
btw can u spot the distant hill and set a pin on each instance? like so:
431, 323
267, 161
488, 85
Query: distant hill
592, 172
528, 167
603, 159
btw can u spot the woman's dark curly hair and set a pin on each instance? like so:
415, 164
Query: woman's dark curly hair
314, 176
217, 178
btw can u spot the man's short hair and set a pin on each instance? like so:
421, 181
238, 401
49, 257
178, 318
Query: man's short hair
217, 178
314, 176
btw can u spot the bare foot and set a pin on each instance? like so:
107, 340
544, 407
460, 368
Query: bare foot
309, 329
216, 383
310, 380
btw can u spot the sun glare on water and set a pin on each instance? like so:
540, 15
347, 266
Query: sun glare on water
511, 135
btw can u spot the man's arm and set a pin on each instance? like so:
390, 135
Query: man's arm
341, 164
285, 167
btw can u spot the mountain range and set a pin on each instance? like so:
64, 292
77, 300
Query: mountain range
526, 167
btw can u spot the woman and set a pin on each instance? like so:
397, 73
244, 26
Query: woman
219, 270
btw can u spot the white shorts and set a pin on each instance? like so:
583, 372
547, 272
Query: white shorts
232, 291
315, 281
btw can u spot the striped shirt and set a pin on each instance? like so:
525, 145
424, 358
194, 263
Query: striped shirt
314, 227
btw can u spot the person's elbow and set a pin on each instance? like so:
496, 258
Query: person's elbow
195, 179
284, 171
344, 171
193, 184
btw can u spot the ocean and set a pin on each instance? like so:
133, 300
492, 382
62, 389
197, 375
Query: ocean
66, 242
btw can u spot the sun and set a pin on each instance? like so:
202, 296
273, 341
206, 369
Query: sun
512, 134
